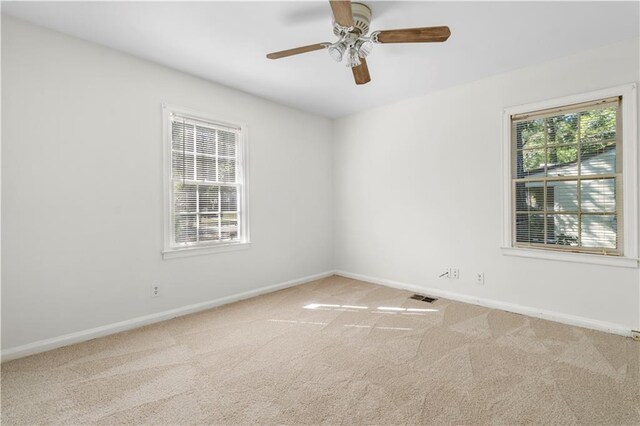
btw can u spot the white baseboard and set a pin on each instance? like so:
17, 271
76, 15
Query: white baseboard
504, 306
105, 330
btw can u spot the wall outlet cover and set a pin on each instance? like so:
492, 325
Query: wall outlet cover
455, 273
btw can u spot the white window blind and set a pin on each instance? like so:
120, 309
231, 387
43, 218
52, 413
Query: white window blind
567, 178
206, 183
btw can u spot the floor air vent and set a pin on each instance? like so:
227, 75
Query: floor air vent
423, 298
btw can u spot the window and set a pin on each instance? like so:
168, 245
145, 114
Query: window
569, 190
204, 183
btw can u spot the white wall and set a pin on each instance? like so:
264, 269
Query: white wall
418, 188
82, 188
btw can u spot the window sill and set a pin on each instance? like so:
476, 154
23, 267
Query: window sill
202, 250
593, 259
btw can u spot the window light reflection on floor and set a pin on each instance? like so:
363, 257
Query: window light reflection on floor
379, 309
390, 308
344, 325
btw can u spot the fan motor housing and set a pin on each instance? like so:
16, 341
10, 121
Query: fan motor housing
361, 19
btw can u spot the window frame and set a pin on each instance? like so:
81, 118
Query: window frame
172, 250
629, 208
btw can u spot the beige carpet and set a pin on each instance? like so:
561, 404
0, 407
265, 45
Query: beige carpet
372, 357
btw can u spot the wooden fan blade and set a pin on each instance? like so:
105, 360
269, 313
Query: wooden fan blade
342, 12
415, 35
296, 51
361, 72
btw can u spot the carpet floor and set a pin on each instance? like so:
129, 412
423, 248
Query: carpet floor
334, 351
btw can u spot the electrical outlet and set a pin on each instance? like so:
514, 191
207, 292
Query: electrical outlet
480, 278
155, 290
455, 273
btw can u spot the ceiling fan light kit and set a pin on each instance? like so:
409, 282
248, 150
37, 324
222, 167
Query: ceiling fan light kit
336, 50
351, 25
364, 47
353, 60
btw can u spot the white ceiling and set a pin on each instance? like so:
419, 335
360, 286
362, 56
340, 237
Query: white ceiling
226, 42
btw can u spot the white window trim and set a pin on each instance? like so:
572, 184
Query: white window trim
170, 251
629, 178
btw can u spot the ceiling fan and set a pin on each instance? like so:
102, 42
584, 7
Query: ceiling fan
351, 25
